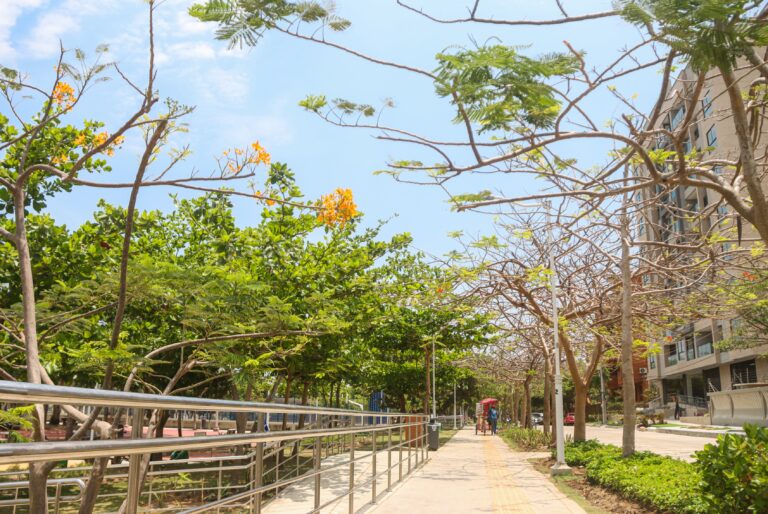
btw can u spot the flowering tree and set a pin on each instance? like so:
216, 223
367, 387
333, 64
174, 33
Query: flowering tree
42, 156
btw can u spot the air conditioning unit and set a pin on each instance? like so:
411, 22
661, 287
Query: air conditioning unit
643, 371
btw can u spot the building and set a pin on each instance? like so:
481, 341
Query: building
688, 363
615, 379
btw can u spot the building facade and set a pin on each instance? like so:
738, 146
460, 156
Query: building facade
688, 362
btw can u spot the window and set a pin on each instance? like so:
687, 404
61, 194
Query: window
671, 355
677, 117
680, 350
704, 344
712, 136
706, 105
690, 348
652, 361
744, 372
687, 146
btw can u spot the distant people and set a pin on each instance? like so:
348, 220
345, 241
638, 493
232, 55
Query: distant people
493, 418
678, 409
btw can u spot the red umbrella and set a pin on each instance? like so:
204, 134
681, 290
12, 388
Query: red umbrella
489, 400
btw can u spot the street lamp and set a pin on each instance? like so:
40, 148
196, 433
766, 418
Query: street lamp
434, 402
560, 467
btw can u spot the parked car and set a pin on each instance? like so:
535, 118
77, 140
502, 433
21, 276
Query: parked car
537, 418
569, 419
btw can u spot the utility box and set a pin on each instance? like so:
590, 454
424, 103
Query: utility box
433, 436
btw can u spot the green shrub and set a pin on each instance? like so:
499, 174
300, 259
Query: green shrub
735, 472
582, 452
526, 438
661, 483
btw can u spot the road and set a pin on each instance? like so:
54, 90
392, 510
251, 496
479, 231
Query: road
673, 445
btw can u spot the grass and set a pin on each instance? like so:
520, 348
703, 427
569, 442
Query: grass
445, 436
563, 484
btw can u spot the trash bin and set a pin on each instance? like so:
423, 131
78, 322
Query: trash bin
433, 436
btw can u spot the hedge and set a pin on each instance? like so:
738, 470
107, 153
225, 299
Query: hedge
660, 483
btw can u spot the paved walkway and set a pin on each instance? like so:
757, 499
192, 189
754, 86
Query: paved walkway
477, 474
673, 445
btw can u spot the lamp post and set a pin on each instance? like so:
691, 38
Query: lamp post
434, 402
454, 405
560, 467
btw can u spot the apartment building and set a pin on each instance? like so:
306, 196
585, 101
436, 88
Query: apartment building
688, 363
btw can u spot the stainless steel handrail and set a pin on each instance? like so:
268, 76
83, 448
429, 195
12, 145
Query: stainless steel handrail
24, 392
352, 423
53, 482
18, 453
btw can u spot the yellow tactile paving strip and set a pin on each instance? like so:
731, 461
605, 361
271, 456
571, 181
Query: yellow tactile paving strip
507, 496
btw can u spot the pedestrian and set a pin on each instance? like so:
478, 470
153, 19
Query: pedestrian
678, 410
493, 418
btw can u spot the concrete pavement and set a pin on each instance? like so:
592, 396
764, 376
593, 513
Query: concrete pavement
674, 445
475, 473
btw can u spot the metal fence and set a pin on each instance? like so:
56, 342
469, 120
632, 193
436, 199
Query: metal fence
243, 472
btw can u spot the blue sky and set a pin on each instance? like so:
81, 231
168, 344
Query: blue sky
242, 96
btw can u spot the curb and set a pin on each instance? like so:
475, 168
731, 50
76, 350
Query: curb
695, 433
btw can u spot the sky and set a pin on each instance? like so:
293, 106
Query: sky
244, 95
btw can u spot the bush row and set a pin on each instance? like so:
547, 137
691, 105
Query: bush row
526, 438
729, 477
660, 483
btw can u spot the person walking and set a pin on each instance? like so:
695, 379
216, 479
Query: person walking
678, 410
493, 418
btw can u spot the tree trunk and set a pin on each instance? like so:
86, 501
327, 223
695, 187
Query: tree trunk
627, 370
241, 418
163, 420
757, 214
304, 397
338, 394
547, 410
288, 383
527, 402
428, 388
580, 425
258, 423
55, 416
38, 493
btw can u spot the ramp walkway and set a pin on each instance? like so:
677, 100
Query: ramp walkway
471, 473
475, 473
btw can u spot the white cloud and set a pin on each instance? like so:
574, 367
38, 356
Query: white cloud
186, 25
9, 14
227, 84
54, 25
50, 29
187, 50
272, 130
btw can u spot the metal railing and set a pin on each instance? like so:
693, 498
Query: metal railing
262, 465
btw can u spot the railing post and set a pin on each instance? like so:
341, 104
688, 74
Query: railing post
317, 456
400, 451
258, 467
409, 442
297, 447
134, 465
373, 466
352, 474
389, 456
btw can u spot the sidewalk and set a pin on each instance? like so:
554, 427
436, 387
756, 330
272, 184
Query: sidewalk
477, 474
